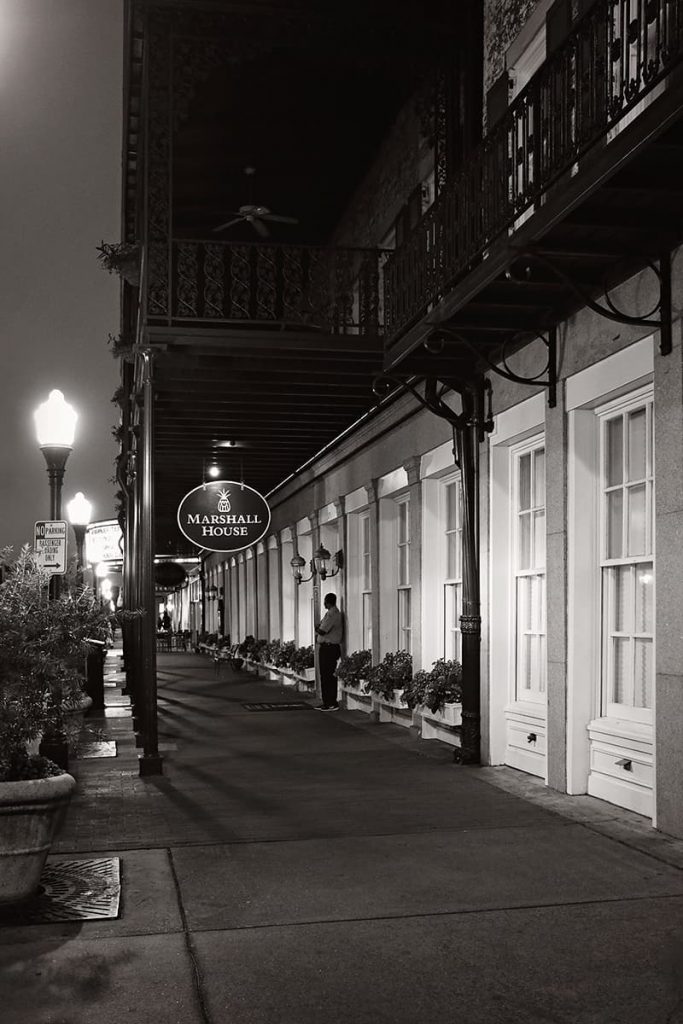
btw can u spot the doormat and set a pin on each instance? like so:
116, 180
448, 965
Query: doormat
71, 890
295, 705
97, 748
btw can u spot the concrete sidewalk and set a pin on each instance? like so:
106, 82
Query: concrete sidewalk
296, 867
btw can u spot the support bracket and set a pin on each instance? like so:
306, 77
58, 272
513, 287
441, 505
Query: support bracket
610, 311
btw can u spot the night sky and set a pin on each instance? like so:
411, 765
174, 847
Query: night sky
60, 155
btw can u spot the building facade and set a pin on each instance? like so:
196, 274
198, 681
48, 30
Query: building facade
543, 267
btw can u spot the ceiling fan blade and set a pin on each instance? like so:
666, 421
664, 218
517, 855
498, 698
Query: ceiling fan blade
280, 219
260, 227
228, 224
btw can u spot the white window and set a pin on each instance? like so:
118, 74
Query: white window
627, 560
403, 574
366, 581
529, 571
453, 579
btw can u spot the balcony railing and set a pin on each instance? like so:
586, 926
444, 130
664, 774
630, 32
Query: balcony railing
614, 58
335, 291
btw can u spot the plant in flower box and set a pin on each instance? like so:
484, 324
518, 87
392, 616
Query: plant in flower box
245, 649
284, 653
354, 668
393, 673
443, 685
301, 659
414, 690
259, 651
271, 651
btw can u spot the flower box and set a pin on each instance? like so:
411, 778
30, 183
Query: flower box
393, 709
450, 715
440, 725
357, 697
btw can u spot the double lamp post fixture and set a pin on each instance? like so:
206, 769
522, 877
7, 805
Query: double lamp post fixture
317, 565
55, 428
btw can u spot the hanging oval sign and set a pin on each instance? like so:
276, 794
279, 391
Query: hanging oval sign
222, 515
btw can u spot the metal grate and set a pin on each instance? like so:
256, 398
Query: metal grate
71, 890
295, 705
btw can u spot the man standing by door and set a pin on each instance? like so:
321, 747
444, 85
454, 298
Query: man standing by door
329, 634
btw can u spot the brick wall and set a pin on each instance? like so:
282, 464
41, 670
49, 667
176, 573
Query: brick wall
502, 21
395, 172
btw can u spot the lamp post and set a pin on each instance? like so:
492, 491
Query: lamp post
78, 511
55, 423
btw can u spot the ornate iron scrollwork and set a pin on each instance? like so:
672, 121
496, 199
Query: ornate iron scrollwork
550, 369
610, 311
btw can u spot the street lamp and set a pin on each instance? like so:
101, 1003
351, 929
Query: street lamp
78, 511
55, 427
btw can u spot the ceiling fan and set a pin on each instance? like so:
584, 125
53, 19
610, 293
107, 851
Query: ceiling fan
255, 214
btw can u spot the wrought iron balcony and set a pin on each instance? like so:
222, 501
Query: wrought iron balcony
617, 55
328, 290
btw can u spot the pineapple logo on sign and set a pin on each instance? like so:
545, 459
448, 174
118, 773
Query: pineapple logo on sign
223, 516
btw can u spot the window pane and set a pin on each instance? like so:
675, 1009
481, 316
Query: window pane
403, 522
524, 496
644, 599
453, 555
615, 504
620, 598
637, 440
539, 540
636, 520
367, 621
614, 452
403, 565
452, 509
525, 542
619, 670
539, 478
366, 533
366, 571
643, 673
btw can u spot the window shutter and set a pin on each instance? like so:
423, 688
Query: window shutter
498, 99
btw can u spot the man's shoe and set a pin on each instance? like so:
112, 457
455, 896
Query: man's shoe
330, 707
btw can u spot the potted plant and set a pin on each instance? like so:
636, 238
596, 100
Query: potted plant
122, 258
41, 641
391, 676
353, 669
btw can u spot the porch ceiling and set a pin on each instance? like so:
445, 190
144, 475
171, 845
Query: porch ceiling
278, 396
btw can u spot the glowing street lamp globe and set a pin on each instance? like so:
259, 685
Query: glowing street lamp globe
79, 510
55, 422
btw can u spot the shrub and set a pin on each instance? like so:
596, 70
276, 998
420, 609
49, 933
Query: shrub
393, 673
43, 644
354, 667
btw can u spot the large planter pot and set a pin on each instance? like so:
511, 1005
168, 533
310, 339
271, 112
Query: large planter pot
31, 812
74, 715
